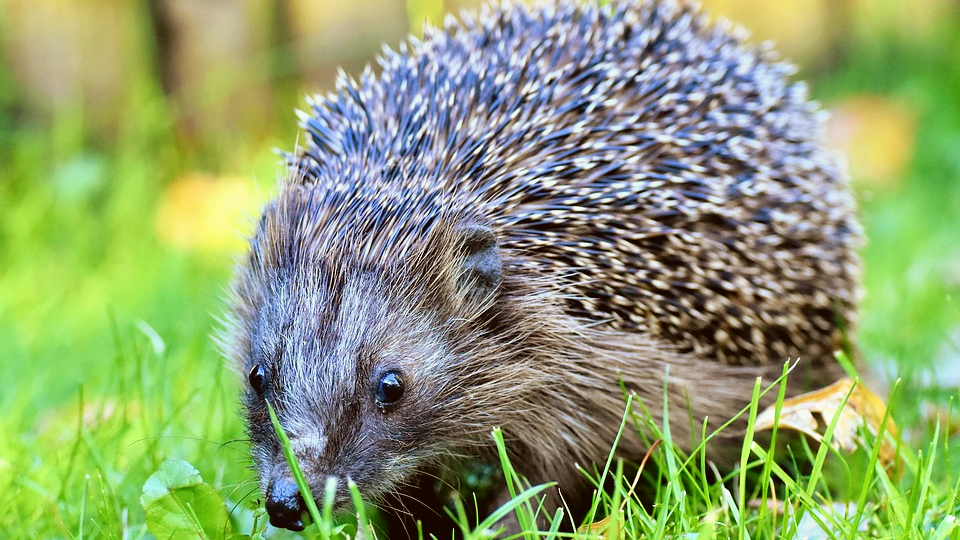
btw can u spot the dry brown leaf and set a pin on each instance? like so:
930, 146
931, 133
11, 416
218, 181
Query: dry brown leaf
607, 528
863, 408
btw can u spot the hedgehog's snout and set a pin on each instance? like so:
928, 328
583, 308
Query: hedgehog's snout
285, 504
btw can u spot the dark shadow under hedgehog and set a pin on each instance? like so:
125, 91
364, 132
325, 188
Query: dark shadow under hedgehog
519, 211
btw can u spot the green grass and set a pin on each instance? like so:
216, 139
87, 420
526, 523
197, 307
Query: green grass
691, 500
109, 370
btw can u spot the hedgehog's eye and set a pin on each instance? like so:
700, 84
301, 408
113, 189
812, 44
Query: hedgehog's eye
258, 379
389, 388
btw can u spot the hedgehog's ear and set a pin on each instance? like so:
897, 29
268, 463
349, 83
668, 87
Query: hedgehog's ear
481, 266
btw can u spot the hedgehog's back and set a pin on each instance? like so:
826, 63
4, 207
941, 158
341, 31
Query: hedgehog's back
668, 177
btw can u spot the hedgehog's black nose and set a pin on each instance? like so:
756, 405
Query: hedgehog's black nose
285, 505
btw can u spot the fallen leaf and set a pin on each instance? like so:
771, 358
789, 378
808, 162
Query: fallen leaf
807, 413
607, 528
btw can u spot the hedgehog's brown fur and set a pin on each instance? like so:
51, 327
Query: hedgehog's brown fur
518, 212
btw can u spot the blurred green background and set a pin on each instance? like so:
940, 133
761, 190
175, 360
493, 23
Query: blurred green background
137, 142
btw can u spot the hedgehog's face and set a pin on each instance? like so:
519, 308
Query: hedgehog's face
355, 361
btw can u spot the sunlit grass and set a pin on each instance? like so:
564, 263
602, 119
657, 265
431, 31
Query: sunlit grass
685, 497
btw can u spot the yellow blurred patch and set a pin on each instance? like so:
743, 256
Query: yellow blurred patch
876, 135
914, 20
799, 29
201, 212
863, 409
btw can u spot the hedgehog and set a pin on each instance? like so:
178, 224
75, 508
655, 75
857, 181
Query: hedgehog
517, 219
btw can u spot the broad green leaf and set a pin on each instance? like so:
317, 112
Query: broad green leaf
179, 505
